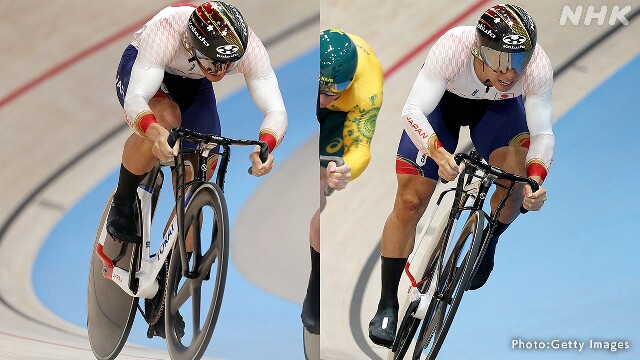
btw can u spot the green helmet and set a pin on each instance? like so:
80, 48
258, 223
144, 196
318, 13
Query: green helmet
338, 61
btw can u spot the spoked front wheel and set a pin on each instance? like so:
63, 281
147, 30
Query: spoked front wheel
193, 303
406, 331
453, 283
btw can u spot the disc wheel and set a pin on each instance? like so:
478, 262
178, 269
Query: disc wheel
409, 325
110, 311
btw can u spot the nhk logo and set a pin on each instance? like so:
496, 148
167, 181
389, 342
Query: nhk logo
616, 14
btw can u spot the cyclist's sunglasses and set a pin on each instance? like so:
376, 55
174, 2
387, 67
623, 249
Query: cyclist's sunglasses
330, 88
211, 66
502, 61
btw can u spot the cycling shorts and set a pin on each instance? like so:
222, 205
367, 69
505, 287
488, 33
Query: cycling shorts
195, 97
493, 124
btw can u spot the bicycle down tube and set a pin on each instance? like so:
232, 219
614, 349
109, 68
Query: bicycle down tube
151, 264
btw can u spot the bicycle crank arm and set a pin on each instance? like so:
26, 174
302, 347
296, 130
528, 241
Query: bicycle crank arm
425, 300
120, 276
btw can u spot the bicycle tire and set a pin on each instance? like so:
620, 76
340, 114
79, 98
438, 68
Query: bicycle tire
455, 280
110, 311
409, 325
406, 332
179, 289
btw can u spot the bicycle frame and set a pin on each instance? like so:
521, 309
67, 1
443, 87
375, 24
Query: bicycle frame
144, 283
464, 193
446, 266
467, 190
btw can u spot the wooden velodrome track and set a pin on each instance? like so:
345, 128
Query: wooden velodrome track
54, 110
353, 220
63, 128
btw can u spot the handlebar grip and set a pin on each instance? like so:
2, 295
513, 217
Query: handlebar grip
264, 152
458, 159
339, 162
336, 159
173, 137
264, 155
328, 191
534, 187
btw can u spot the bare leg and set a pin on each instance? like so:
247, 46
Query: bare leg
314, 231
510, 159
311, 305
398, 237
137, 160
137, 156
412, 198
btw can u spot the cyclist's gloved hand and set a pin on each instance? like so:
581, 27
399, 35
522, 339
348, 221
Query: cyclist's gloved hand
257, 167
533, 201
158, 136
447, 167
338, 176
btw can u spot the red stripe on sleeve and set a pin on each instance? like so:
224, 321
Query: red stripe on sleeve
146, 121
269, 139
536, 169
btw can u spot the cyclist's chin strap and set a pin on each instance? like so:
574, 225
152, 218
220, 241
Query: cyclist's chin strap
189, 48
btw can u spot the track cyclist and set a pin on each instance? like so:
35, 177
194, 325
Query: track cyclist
476, 77
164, 80
349, 100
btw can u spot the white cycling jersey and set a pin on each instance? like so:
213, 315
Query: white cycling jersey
449, 66
160, 49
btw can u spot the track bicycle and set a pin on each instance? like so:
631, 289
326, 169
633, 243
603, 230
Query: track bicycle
445, 272
175, 278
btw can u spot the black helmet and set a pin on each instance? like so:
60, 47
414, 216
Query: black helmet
507, 38
218, 31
